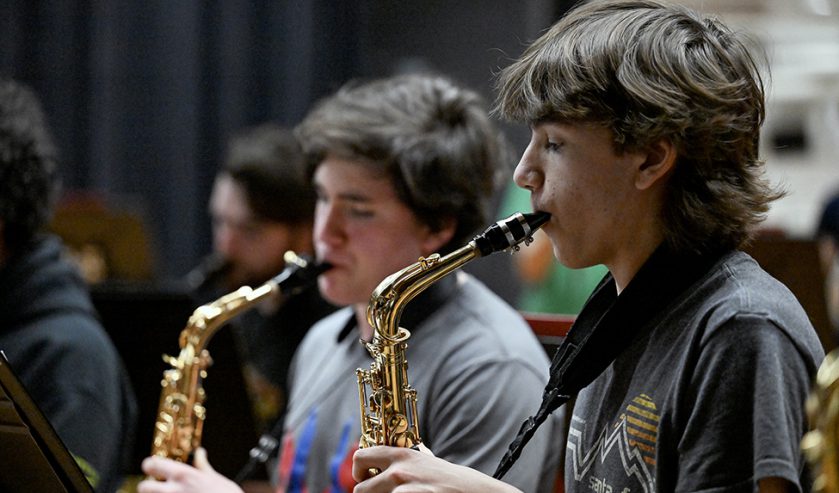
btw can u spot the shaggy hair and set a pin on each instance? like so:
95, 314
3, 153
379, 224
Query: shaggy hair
29, 182
649, 71
434, 140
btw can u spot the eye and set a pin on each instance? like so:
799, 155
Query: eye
360, 212
553, 146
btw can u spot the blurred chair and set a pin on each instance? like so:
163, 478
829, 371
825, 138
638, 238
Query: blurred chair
109, 243
795, 262
550, 328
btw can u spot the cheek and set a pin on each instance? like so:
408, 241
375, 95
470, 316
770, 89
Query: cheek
562, 194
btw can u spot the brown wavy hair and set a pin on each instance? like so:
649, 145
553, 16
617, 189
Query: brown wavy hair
432, 137
267, 162
647, 71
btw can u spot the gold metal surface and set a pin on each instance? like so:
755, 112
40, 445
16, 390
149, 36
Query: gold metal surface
820, 443
181, 412
389, 411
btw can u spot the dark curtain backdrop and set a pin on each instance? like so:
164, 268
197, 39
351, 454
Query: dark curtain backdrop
141, 96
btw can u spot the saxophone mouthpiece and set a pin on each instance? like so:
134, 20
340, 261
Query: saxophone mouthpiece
211, 270
299, 273
508, 233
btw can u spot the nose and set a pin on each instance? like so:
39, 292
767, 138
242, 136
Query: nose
328, 224
526, 175
225, 240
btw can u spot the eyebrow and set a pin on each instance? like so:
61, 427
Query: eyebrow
348, 196
354, 197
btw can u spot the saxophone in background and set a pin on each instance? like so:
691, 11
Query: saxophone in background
389, 414
181, 413
821, 444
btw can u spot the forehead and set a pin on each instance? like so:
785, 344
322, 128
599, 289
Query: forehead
228, 197
353, 179
574, 129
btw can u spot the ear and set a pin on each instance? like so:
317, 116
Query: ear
434, 240
660, 159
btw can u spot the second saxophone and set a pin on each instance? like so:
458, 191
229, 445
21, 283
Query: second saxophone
389, 411
180, 415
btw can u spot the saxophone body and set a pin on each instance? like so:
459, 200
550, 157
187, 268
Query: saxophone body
821, 444
389, 410
181, 412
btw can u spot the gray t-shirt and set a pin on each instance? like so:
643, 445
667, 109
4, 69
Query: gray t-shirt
478, 370
709, 395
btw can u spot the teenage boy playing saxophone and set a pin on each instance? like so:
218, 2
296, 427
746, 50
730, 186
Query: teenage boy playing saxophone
645, 122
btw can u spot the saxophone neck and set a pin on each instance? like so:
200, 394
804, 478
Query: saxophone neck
299, 273
207, 319
398, 289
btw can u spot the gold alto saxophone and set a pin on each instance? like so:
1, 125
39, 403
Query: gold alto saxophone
389, 414
821, 444
181, 413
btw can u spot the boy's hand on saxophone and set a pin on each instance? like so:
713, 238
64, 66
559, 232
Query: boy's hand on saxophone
417, 469
177, 477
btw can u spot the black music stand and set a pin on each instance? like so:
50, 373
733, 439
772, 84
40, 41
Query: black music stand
32, 457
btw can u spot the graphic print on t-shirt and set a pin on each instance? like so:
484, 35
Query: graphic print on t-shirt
293, 466
621, 458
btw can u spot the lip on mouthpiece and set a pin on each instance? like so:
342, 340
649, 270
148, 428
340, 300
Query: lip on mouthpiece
511, 231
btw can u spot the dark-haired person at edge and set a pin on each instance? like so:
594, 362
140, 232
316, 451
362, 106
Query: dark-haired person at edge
49, 330
403, 168
261, 206
645, 121
827, 239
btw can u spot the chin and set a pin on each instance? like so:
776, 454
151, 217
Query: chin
568, 261
333, 292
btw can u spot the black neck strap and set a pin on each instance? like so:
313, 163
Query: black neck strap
605, 327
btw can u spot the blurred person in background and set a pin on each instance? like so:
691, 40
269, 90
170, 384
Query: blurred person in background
49, 330
261, 206
827, 239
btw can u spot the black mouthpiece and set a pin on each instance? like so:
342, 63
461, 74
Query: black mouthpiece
300, 272
509, 232
210, 271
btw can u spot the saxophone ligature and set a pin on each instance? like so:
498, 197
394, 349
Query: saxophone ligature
181, 412
820, 445
389, 412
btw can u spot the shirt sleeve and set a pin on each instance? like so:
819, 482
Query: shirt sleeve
743, 410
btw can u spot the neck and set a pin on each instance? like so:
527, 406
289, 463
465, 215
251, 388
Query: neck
633, 253
365, 330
